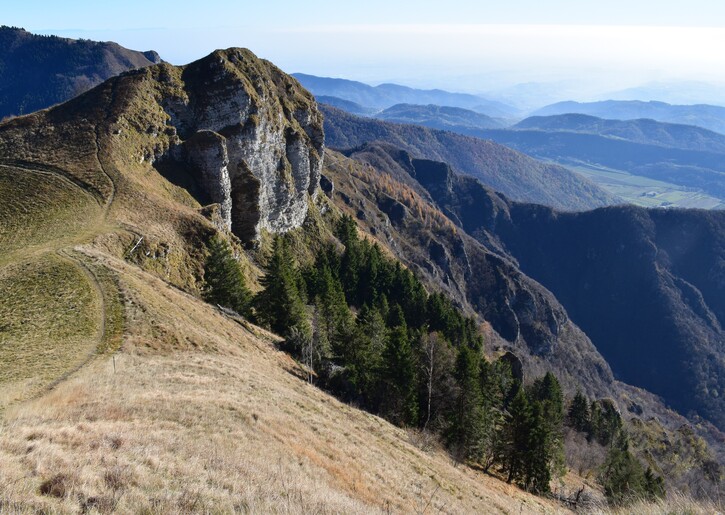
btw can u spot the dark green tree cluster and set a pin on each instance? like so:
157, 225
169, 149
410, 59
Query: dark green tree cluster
223, 278
600, 420
370, 333
281, 304
532, 443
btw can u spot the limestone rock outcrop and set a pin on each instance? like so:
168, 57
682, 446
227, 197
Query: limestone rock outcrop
251, 136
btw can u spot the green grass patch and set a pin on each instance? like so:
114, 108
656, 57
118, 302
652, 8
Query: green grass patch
646, 192
40, 207
49, 323
113, 303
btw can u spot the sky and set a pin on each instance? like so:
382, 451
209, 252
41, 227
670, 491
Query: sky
576, 45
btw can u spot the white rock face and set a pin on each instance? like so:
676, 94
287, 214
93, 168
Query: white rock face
257, 157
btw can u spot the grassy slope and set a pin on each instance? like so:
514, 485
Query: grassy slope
227, 425
201, 413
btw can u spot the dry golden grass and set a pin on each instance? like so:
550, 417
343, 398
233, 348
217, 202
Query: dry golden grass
673, 505
203, 415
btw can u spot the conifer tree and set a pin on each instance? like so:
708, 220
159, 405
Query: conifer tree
578, 416
516, 437
399, 373
223, 277
622, 475
547, 392
467, 431
280, 304
539, 451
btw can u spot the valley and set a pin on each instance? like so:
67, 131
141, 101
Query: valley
219, 295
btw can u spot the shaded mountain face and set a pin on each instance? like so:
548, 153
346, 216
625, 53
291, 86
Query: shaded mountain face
706, 116
388, 95
505, 170
523, 316
647, 286
40, 71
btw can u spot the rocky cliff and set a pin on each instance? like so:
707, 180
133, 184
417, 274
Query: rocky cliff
229, 129
253, 138
647, 286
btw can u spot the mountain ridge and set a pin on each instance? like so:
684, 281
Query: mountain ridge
702, 115
155, 150
503, 169
387, 95
39, 71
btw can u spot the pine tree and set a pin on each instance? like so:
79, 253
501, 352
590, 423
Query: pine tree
516, 437
654, 486
399, 373
223, 277
622, 475
467, 431
547, 392
352, 259
280, 304
540, 450
578, 416
367, 360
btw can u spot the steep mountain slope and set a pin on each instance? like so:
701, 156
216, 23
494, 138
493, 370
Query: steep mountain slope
393, 200
455, 119
166, 402
706, 116
387, 95
39, 71
159, 401
513, 174
646, 286
174, 405
195, 413
651, 132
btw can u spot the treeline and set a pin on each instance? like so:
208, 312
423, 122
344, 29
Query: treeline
369, 333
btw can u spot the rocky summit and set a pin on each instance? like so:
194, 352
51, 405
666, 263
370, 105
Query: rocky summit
251, 136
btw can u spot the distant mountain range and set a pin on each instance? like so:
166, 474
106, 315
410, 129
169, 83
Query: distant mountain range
518, 176
439, 117
706, 116
650, 132
39, 71
673, 92
387, 95
643, 161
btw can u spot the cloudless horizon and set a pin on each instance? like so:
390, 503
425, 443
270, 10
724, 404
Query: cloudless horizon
571, 48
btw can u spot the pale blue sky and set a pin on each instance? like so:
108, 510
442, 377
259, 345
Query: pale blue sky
475, 45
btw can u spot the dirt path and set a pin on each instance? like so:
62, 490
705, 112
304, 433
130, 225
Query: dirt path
62, 246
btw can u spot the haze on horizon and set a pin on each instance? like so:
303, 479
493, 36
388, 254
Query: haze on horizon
578, 50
